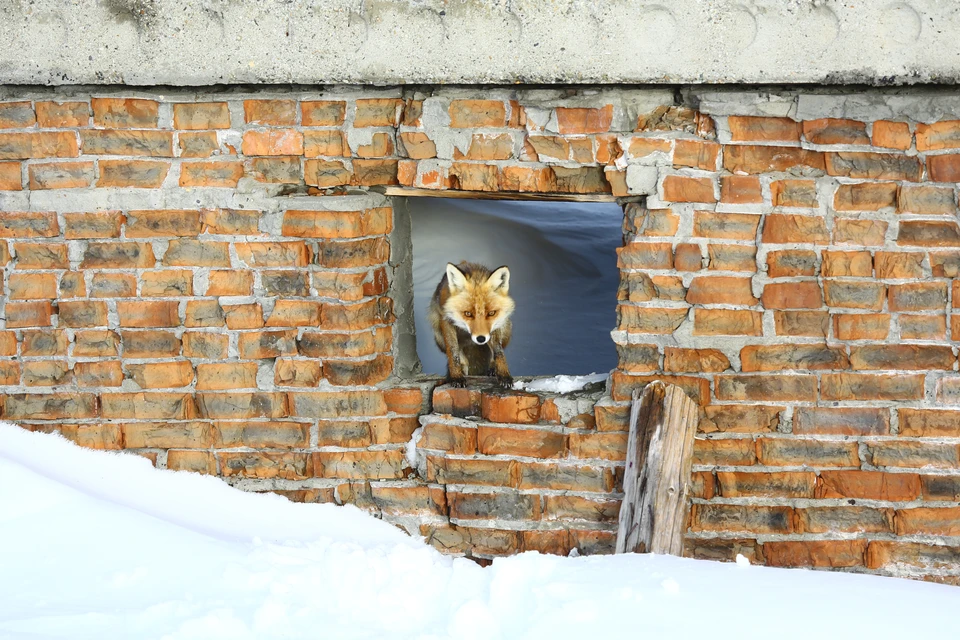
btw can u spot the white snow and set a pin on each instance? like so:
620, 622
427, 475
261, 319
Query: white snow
97, 545
560, 384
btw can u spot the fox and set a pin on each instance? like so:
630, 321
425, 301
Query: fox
470, 315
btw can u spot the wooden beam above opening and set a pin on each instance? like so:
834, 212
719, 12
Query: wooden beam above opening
495, 195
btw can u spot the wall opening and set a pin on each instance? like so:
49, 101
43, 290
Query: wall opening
564, 276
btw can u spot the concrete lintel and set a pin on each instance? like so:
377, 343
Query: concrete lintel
211, 42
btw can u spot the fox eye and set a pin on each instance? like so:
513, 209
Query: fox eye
491, 314
467, 314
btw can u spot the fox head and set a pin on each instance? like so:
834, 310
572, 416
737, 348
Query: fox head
478, 304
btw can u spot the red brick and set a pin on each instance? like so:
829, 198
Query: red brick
82, 313
847, 264
687, 257
866, 326
723, 452
939, 135
323, 113
857, 386
868, 485
60, 175
161, 375
198, 144
38, 144
512, 408
713, 322
874, 166
220, 173
98, 374
740, 190
148, 314
127, 143
784, 229
899, 265
687, 189
467, 114
378, 112
63, 115
730, 226
747, 159
794, 193
730, 290
578, 120
917, 296
129, 113
226, 376
272, 142
201, 115
783, 484
648, 255
868, 233
10, 179
913, 454
50, 406
145, 174
29, 314
831, 554
372, 465
848, 519
270, 112
926, 200
650, 319
535, 443
841, 421
792, 295
792, 356
868, 196
28, 224
892, 135
926, 327
928, 423
807, 452
767, 387
696, 154
763, 129
937, 521
730, 518
694, 360
790, 262
835, 131
851, 294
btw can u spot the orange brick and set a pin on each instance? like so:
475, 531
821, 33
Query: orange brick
512, 407
32, 286
146, 174
270, 112
868, 485
696, 154
378, 112
791, 262
875, 166
221, 173
323, 113
815, 553
198, 144
60, 175
275, 170
469, 114
767, 387
763, 129
784, 228
794, 193
417, 145
38, 144
740, 190
871, 196
835, 131
715, 322
792, 356
63, 115
868, 326
781, 484
29, 314
581, 120
535, 443
765, 159
892, 135
926, 200
847, 263
201, 115
866, 233
129, 113
792, 295
272, 142
148, 314
731, 290
10, 179
687, 189
488, 147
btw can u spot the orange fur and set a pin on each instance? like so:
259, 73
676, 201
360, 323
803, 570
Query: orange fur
470, 315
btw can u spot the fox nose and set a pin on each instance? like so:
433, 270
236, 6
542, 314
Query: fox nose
480, 339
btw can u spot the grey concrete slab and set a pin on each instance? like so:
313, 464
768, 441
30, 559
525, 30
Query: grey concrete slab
204, 42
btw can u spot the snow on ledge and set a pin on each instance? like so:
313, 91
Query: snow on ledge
99, 545
559, 384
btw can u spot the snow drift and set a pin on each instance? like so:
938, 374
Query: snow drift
102, 545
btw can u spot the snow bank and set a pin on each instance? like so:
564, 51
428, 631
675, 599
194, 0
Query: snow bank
102, 546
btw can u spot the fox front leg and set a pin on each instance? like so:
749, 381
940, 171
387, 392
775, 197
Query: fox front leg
454, 357
500, 368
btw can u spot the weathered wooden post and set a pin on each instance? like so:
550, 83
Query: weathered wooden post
663, 423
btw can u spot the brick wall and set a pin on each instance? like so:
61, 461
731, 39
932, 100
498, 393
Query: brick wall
789, 261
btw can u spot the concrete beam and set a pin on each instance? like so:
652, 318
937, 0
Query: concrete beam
206, 42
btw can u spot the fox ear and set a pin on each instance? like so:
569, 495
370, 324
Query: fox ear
455, 279
499, 280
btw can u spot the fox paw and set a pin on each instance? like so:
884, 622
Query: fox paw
505, 381
458, 382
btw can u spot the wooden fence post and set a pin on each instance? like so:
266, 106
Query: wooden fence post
656, 482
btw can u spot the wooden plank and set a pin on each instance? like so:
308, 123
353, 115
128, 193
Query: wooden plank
494, 195
663, 423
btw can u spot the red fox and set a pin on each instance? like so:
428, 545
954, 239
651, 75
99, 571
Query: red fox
470, 315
